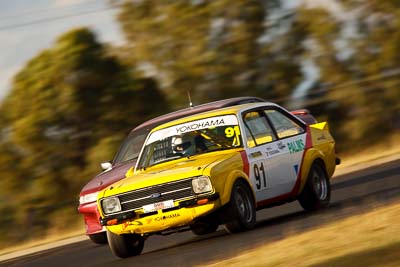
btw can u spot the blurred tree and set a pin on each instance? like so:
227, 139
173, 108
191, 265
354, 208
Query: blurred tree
64, 103
377, 60
214, 49
320, 31
356, 52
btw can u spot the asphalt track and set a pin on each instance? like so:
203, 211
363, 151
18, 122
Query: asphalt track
352, 193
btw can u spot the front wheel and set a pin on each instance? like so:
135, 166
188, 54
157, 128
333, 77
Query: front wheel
126, 245
317, 190
241, 208
99, 238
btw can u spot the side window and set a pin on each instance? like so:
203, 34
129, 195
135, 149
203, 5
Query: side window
283, 125
257, 129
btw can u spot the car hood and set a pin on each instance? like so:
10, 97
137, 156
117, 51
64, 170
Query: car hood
107, 178
168, 172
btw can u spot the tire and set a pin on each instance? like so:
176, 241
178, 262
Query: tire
99, 238
127, 245
317, 190
241, 208
203, 228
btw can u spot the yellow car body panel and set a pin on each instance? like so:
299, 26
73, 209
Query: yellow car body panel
163, 220
323, 148
179, 169
222, 181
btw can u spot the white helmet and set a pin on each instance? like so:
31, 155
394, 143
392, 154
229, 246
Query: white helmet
184, 145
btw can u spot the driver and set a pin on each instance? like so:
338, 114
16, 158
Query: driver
184, 145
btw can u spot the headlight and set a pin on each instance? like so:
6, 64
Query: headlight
110, 205
92, 197
201, 184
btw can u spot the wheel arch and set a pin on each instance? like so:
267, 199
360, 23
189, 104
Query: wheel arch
232, 179
312, 157
320, 162
316, 192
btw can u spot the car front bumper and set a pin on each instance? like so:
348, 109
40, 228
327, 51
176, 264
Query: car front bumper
182, 215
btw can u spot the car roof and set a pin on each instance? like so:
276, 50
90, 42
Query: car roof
213, 113
197, 109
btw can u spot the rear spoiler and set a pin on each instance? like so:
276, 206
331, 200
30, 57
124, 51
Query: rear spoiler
300, 112
322, 126
305, 115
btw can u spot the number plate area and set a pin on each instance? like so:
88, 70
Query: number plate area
158, 206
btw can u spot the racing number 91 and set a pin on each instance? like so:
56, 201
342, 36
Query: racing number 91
235, 133
261, 182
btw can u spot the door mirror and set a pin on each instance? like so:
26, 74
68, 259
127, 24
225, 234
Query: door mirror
106, 166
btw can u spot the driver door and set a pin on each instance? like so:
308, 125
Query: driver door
269, 158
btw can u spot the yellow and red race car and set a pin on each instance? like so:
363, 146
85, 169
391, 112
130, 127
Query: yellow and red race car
218, 167
128, 154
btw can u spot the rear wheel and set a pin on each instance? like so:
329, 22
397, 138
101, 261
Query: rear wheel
99, 238
124, 246
241, 208
203, 228
317, 190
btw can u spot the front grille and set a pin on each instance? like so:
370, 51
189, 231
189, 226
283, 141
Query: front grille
137, 199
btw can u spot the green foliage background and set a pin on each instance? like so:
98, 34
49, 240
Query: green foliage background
71, 105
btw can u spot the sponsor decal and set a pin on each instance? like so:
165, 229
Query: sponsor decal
296, 168
200, 125
158, 206
281, 145
256, 154
166, 217
321, 137
271, 151
193, 126
296, 146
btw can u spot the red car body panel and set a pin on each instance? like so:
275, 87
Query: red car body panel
89, 210
106, 178
91, 217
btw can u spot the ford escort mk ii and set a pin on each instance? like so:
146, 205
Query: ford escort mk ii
128, 153
218, 167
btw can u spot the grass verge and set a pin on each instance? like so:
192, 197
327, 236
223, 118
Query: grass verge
370, 239
358, 158
53, 236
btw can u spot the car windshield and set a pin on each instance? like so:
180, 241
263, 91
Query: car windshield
191, 138
131, 146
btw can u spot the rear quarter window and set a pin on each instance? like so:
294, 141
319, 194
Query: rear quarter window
284, 126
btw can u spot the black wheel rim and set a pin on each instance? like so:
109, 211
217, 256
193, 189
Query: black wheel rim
320, 185
244, 205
